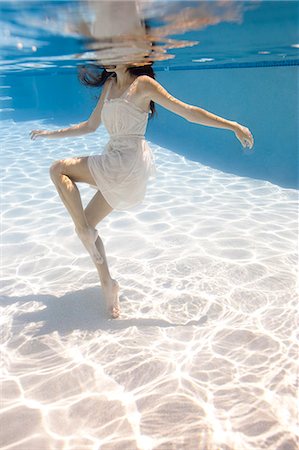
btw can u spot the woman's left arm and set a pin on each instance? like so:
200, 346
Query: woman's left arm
158, 94
203, 117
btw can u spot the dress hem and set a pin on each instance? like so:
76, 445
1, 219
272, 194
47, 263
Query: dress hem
116, 208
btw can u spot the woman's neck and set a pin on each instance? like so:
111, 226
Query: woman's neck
123, 80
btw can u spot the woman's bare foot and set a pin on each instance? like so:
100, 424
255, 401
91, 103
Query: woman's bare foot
111, 293
88, 238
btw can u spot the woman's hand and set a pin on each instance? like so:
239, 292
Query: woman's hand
244, 135
38, 134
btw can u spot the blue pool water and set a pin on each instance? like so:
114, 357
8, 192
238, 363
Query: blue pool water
204, 354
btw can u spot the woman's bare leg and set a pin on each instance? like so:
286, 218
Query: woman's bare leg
63, 174
70, 196
96, 210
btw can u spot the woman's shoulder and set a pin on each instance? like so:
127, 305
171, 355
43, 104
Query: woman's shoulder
147, 83
145, 78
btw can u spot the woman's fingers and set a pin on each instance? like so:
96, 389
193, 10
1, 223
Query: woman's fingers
33, 134
245, 137
36, 133
248, 140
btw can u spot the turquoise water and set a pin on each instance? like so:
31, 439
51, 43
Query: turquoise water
204, 354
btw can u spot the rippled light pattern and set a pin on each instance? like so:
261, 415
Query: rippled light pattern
204, 353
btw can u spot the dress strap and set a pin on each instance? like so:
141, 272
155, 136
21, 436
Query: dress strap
108, 89
128, 90
124, 94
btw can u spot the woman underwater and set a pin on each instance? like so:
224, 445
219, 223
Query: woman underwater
121, 172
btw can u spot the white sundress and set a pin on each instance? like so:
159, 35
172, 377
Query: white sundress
122, 170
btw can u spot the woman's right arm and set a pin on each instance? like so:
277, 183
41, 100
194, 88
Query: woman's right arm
75, 130
88, 126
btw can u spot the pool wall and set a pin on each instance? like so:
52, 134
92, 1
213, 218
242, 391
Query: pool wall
263, 99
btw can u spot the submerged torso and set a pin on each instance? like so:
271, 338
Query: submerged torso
121, 116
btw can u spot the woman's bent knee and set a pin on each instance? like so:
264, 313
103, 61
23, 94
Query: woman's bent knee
55, 169
74, 168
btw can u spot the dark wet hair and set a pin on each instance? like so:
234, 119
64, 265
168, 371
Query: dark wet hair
94, 75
